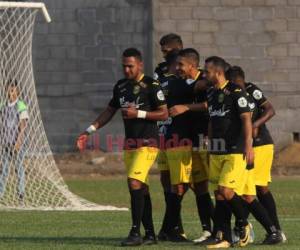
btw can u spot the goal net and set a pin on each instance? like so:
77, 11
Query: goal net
29, 177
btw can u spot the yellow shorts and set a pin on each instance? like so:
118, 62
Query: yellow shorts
199, 166
247, 184
226, 170
139, 161
263, 164
180, 164
162, 162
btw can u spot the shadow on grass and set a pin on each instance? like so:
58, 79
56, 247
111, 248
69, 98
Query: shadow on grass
103, 241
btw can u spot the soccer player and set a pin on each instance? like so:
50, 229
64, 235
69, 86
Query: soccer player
264, 150
163, 166
230, 135
143, 104
163, 73
167, 43
188, 69
181, 97
14, 118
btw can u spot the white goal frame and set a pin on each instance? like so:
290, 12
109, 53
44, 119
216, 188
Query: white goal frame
27, 5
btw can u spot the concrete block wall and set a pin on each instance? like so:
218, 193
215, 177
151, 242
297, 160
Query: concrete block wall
77, 61
77, 56
262, 36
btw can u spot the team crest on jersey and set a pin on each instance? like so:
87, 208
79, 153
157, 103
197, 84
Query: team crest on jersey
160, 95
221, 98
143, 85
136, 89
242, 102
257, 94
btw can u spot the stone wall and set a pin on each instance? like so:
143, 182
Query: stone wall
77, 61
262, 36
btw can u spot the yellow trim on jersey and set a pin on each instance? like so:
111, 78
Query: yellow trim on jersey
141, 78
222, 86
198, 74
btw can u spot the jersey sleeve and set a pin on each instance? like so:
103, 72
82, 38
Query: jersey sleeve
241, 101
257, 95
114, 101
156, 95
22, 110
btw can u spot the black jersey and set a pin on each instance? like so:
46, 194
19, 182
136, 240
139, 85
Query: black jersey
200, 118
180, 92
160, 71
163, 126
146, 95
263, 137
225, 106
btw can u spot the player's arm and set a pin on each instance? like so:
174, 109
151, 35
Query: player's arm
158, 100
160, 114
268, 113
247, 134
182, 108
101, 121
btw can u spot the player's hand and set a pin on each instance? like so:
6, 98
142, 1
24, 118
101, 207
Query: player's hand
255, 132
177, 110
249, 155
130, 112
82, 141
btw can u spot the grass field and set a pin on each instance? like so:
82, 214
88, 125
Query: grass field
105, 230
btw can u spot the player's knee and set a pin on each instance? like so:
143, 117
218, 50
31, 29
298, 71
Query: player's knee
248, 198
227, 193
134, 184
180, 189
261, 190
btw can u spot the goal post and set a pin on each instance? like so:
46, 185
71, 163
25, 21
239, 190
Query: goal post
29, 176
27, 5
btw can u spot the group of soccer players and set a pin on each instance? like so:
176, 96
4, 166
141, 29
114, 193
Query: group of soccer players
202, 126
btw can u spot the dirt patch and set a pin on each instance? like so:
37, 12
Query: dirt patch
287, 161
94, 164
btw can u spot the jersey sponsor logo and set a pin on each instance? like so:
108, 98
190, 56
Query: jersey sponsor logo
257, 94
219, 112
160, 95
242, 102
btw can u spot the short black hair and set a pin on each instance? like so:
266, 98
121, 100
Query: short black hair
171, 39
191, 54
218, 62
133, 52
11, 83
172, 56
234, 72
